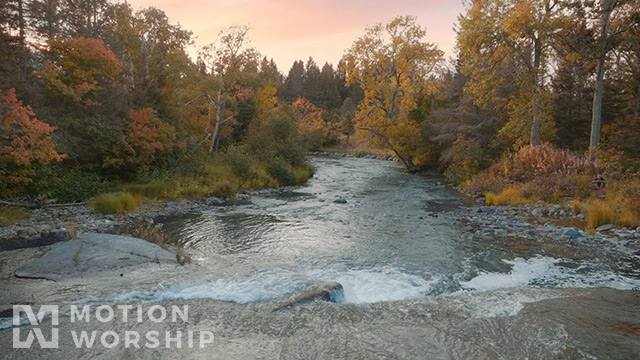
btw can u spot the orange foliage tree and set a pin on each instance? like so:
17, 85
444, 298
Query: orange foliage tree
310, 123
24, 142
79, 66
145, 135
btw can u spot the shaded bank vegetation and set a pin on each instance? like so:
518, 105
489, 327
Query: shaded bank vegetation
542, 96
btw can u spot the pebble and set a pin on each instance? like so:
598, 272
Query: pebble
86, 219
604, 227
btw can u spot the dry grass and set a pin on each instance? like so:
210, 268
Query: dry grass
116, 202
11, 214
150, 190
619, 205
508, 196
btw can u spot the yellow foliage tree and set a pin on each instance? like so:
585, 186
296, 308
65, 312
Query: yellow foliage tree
517, 35
391, 63
310, 123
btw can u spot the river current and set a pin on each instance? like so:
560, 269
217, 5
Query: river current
416, 283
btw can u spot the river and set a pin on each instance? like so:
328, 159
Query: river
416, 283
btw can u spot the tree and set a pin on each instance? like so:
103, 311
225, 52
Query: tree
77, 68
616, 17
293, 86
518, 34
47, 18
572, 83
310, 123
144, 136
24, 141
312, 89
391, 63
329, 88
226, 61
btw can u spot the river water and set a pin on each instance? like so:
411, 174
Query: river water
416, 283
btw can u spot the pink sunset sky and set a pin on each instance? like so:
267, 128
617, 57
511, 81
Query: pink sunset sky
289, 30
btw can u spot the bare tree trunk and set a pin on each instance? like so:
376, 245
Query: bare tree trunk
147, 46
596, 114
535, 138
21, 22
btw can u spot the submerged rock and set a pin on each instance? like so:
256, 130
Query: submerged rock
340, 201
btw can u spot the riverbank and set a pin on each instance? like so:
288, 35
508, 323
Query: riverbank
555, 223
475, 281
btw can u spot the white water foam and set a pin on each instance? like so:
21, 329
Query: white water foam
496, 303
545, 271
376, 285
360, 286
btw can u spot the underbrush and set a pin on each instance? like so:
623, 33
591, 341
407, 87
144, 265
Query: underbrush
553, 176
205, 175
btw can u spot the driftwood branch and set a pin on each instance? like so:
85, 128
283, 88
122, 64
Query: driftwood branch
27, 204
36, 205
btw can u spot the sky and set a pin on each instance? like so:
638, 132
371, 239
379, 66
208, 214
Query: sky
290, 30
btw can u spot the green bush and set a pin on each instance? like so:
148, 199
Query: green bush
239, 161
275, 135
467, 159
279, 170
303, 173
116, 202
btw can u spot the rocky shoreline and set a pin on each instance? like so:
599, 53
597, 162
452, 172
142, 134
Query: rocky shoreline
519, 228
556, 224
52, 224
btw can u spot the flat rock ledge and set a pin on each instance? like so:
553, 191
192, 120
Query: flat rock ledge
95, 255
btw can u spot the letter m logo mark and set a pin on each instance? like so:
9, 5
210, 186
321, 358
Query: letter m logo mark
35, 320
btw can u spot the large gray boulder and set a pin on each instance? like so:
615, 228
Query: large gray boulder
95, 255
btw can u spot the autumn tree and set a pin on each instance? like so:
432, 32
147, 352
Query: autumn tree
226, 63
143, 137
77, 68
24, 141
391, 63
520, 34
310, 123
615, 18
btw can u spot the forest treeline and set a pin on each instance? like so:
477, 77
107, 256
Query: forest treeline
95, 95
540, 91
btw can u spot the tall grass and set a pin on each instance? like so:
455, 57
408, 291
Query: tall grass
116, 202
150, 190
11, 214
618, 205
508, 196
